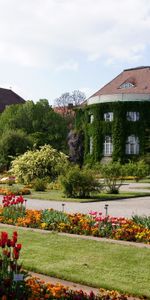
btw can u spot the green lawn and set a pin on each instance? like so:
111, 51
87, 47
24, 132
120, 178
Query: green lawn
97, 264
57, 195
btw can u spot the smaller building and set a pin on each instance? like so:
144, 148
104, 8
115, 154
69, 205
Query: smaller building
116, 119
8, 97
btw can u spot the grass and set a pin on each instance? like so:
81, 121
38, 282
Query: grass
97, 264
57, 195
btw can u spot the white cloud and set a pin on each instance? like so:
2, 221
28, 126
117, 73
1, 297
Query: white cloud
51, 33
68, 65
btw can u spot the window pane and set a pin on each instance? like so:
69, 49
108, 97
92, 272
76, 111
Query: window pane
91, 145
133, 116
132, 145
108, 147
108, 116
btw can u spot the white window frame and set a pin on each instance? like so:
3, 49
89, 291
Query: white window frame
108, 116
133, 116
108, 146
91, 145
126, 85
132, 145
91, 118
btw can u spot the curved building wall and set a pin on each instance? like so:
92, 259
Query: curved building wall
118, 97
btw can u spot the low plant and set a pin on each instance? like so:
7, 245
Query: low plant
13, 207
15, 190
39, 185
42, 290
12, 277
79, 183
142, 220
52, 218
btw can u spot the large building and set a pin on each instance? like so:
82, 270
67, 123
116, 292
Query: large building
8, 97
116, 119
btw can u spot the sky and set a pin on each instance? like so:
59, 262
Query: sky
49, 47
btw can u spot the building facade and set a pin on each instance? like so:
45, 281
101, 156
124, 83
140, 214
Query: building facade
116, 119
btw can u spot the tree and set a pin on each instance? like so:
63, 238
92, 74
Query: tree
12, 143
75, 98
38, 121
39, 163
112, 173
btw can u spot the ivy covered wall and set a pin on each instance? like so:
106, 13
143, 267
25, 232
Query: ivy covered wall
119, 129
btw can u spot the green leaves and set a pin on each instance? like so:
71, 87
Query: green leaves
45, 162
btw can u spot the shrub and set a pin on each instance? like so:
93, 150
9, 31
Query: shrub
54, 185
39, 185
79, 183
45, 162
137, 169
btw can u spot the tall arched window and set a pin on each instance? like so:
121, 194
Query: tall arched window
91, 145
132, 145
108, 147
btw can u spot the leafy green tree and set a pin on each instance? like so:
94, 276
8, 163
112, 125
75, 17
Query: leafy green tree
113, 173
39, 163
38, 121
12, 143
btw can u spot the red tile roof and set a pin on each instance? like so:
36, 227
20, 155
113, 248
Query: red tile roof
8, 97
139, 77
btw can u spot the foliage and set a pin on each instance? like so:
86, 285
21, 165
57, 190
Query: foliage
119, 129
142, 220
51, 219
45, 162
13, 143
28, 125
137, 169
39, 185
10, 269
79, 183
112, 173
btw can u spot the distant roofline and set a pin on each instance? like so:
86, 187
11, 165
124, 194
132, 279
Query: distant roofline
137, 68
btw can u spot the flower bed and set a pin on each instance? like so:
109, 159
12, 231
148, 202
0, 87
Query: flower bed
95, 224
42, 290
14, 190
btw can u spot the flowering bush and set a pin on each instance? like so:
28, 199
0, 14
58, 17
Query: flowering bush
12, 284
